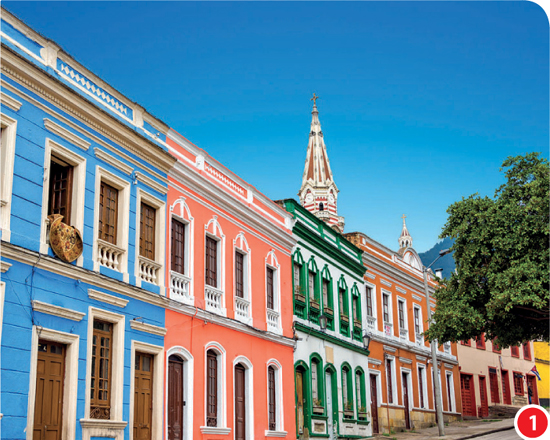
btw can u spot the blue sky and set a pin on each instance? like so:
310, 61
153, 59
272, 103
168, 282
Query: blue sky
420, 102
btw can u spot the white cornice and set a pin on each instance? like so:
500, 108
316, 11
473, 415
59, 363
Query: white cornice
420, 358
381, 268
66, 134
375, 361
148, 328
62, 312
417, 298
421, 350
215, 430
405, 360
54, 91
188, 178
4, 266
151, 183
106, 298
113, 161
10, 102
102, 424
448, 366
388, 348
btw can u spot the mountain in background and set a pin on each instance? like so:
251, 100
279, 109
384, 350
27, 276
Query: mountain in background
447, 263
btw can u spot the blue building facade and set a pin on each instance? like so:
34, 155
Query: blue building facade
81, 342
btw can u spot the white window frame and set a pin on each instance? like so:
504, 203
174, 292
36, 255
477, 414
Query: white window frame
117, 369
390, 312
373, 299
408, 373
222, 428
158, 381
9, 131
379, 395
180, 212
279, 410
241, 245
452, 403
188, 382
272, 262
70, 381
405, 318
418, 338
393, 378
160, 235
214, 230
249, 394
78, 191
123, 218
421, 371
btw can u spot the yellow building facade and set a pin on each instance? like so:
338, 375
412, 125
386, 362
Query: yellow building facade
542, 361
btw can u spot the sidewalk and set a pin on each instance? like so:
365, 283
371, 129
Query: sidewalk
454, 431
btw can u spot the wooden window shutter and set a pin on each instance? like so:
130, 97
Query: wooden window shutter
270, 296
178, 247
108, 213
100, 387
272, 402
212, 389
60, 191
239, 275
147, 231
211, 269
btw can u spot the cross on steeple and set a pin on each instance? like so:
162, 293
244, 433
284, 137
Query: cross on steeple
403, 217
315, 98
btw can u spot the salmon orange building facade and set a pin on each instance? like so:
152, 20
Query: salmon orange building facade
400, 366
229, 345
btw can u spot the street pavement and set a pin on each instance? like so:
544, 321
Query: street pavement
502, 430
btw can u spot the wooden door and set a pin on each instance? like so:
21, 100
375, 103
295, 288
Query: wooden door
175, 398
532, 385
374, 404
506, 397
300, 402
468, 396
143, 396
240, 407
406, 400
48, 406
484, 408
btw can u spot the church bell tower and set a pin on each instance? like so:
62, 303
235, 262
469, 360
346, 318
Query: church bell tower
319, 193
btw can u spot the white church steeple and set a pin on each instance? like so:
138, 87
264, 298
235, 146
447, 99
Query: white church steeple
319, 193
405, 239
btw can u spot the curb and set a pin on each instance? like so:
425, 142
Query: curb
492, 431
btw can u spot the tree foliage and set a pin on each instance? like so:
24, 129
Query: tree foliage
501, 251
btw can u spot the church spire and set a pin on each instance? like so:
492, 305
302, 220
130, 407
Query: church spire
405, 239
319, 193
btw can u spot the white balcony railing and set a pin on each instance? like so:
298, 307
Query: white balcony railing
213, 298
179, 288
109, 255
149, 270
273, 318
419, 339
242, 310
388, 329
447, 347
371, 323
403, 333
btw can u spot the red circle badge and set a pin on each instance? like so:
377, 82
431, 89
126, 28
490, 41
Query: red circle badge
532, 422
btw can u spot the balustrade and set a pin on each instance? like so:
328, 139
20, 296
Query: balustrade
109, 255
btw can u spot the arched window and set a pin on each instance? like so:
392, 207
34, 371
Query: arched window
321, 206
298, 284
317, 395
356, 312
327, 297
272, 402
274, 399
347, 391
343, 303
360, 394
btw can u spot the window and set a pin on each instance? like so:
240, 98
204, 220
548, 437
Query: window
8, 133
360, 394
467, 343
421, 386
178, 247
514, 349
526, 351
326, 301
344, 310
386, 307
270, 289
356, 311
298, 291
493, 385
369, 301
317, 385
211, 389
239, 275
108, 213
60, 191
100, 387
401, 309
450, 391
147, 231
518, 384
328, 305
311, 285
389, 379
347, 391
272, 405
211, 267
480, 342
496, 348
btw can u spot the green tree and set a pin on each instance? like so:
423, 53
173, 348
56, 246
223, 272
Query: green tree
501, 251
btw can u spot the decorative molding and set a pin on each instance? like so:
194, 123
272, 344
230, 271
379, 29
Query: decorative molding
4, 266
151, 183
215, 430
147, 328
62, 312
448, 366
405, 360
390, 349
275, 433
385, 282
421, 358
399, 289
102, 424
417, 298
10, 102
370, 275
106, 298
375, 361
66, 134
114, 162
